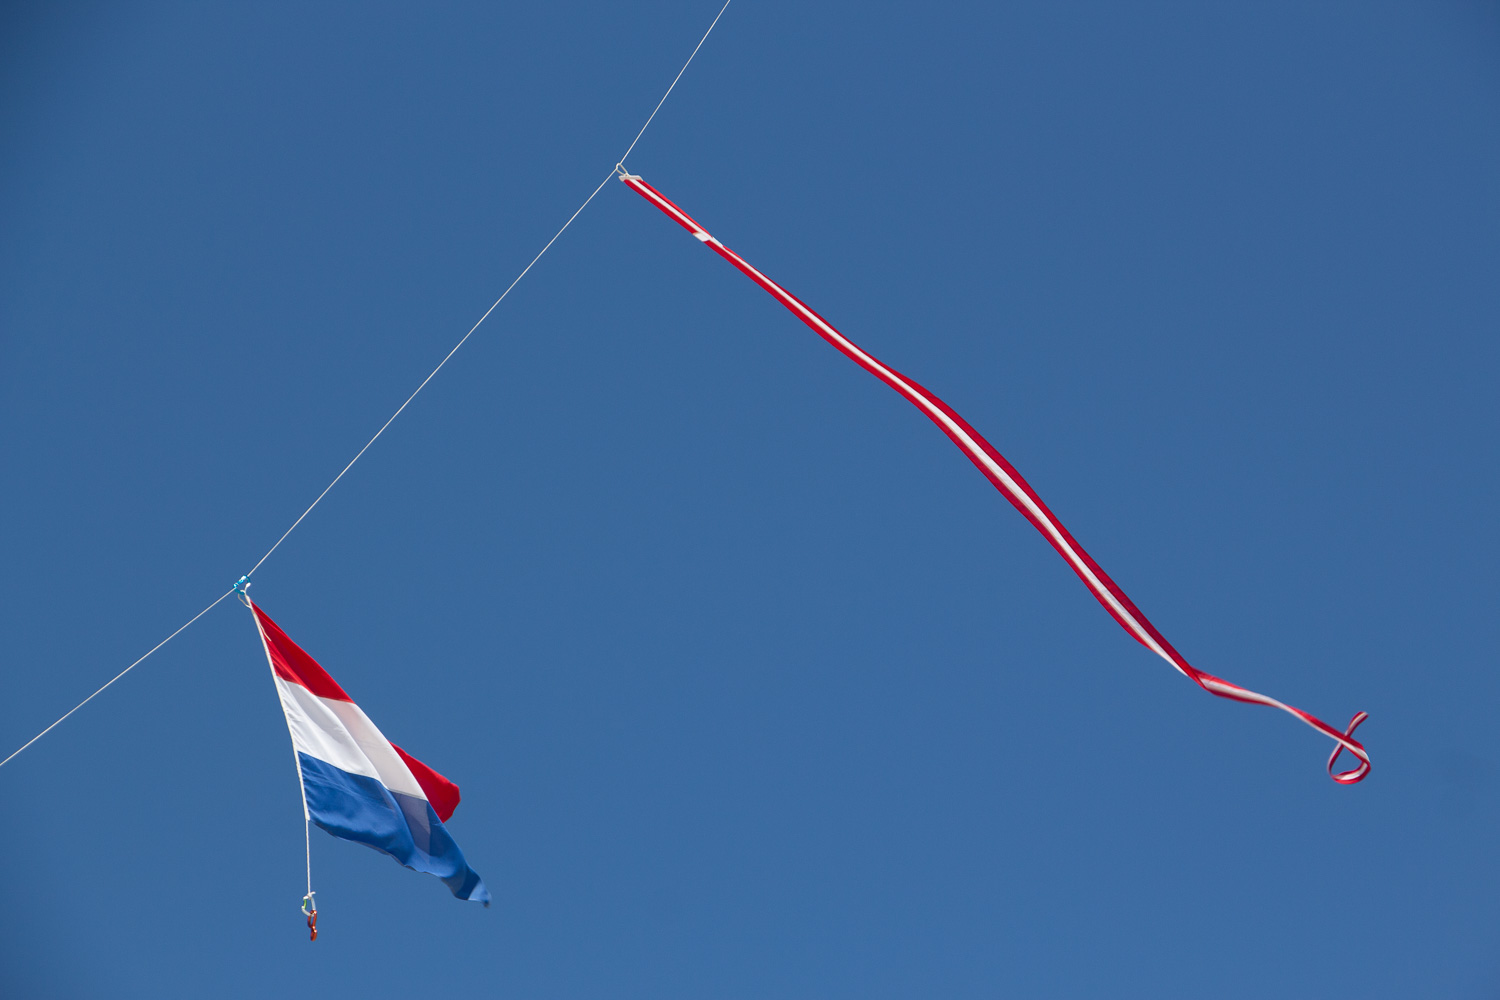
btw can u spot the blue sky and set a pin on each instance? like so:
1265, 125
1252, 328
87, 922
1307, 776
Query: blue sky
753, 685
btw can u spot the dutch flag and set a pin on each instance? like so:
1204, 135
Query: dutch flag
357, 784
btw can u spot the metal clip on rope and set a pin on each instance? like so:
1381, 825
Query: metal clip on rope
310, 910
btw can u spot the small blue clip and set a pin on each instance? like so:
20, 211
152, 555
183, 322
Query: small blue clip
241, 584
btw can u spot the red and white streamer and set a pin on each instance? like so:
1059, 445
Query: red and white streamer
1010, 483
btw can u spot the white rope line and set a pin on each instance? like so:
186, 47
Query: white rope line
675, 79
398, 412
503, 294
116, 677
331, 485
307, 901
429, 378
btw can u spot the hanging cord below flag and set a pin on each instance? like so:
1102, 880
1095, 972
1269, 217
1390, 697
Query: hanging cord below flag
309, 905
403, 406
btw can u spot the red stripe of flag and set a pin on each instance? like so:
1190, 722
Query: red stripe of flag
293, 665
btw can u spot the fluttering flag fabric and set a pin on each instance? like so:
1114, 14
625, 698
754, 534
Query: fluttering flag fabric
1015, 489
358, 785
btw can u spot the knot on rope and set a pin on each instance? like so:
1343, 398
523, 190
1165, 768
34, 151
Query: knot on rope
310, 910
242, 590
1358, 774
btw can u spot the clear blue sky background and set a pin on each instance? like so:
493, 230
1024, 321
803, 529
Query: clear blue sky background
753, 685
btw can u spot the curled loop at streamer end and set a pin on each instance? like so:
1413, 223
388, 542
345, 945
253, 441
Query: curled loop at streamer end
1358, 774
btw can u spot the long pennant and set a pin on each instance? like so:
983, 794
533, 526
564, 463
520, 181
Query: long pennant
1010, 483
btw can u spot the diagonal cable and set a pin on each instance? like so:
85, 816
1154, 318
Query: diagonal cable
358, 455
116, 677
